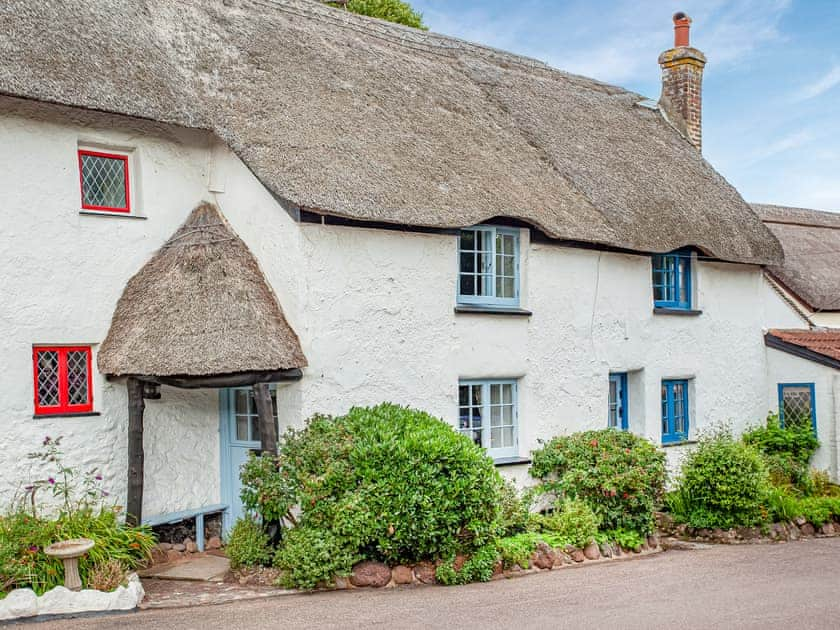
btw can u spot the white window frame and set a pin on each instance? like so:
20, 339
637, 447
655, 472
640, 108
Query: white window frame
485, 384
490, 267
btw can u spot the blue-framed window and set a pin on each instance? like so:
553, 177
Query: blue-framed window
488, 266
675, 419
798, 404
488, 415
617, 418
672, 280
241, 409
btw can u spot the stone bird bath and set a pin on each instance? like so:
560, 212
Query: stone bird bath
70, 551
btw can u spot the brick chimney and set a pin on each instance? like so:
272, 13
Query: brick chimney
682, 81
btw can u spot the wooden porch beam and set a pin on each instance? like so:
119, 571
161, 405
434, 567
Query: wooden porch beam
136, 406
265, 413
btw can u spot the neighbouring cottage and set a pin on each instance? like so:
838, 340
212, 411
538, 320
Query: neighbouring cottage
205, 197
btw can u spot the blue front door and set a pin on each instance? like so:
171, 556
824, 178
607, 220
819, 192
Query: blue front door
239, 430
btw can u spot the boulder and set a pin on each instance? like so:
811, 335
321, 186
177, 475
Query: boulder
778, 531
164, 546
807, 530
827, 529
591, 551
498, 570
793, 531
543, 557
214, 542
458, 563
179, 547
799, 521
191, 547
341, 584
577, 556
402, 575
173, 556
370, 573
425, 572
606, 550
653, 541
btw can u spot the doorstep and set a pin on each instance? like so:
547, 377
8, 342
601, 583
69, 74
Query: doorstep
198, 568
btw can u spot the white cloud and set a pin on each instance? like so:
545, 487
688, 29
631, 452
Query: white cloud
819, 87
787, 143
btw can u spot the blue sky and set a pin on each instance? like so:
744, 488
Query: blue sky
771, 94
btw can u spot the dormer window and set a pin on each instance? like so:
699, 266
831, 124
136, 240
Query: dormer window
488, 266
672, 280
104, 181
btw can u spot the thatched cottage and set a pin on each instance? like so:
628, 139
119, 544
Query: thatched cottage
221, 212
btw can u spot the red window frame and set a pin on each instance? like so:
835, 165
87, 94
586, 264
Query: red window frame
63, 406
115, 156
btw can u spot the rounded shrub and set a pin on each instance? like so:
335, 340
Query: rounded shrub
383, 483
574, 521
620, 476
247, 544
723, 483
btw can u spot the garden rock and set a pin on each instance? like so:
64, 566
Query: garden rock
591, 551
827, 529
807, 529
173, 556
425, 572
793, 532
179, 547
164, 546
653, 541
402, 575
191, 547
577, 556
370, 573
543, 557
606, 550
21, 602
214, 543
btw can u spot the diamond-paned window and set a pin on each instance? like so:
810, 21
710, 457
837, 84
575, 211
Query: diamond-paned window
62, 379
104, 178
796, 404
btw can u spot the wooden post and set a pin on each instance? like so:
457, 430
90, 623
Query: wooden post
265, 412
134, 501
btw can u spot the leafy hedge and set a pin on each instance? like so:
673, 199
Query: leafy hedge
384, 483
619, 475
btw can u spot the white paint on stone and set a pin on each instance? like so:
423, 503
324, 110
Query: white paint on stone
61, 601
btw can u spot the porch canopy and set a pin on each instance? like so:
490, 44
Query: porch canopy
199, 314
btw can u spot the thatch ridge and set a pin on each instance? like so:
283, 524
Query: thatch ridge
377, 122
200, 306
811, 242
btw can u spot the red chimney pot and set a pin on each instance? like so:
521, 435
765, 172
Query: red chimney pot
682, 24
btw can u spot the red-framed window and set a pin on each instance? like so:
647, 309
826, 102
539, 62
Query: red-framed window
104, 181
63, 381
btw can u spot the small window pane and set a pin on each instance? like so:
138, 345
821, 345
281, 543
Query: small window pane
255, 428
48, 388
467, 285
467, 262
77, 377
507, 437
495, 416
496, 438
467, 240
242, 428
103, 181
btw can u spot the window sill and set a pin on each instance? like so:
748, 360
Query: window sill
685, 312
492, 310
83, 414
511, 461
116, 215
680, 443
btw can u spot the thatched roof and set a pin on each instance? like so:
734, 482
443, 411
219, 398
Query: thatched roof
200, 306
811, 241
350, 116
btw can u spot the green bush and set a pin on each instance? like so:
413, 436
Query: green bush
619, 475
247, 545
477, 568
626, 538
384, 483
574, 521
311, 557
390, 10
796, 441
514, 509
723, 483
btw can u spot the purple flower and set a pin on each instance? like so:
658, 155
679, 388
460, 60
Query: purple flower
47, 440
98, 477
104, 493
33, 548
29, 488
51, 481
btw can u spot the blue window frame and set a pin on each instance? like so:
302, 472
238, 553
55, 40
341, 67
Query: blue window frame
488, 266
617, 418
674, 411
488, 415
672, 280
797, 404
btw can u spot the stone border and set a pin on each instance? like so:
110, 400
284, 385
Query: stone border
379, 575
23, 602
775, 532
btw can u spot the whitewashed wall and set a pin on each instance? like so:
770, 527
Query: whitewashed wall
786, 368
374, 310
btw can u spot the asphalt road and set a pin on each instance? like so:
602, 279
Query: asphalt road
793, 585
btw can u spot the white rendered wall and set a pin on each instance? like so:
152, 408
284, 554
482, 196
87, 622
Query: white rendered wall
62, 273
786, 368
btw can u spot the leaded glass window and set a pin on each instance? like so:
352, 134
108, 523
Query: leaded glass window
797, 405
104, 179
62, 379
